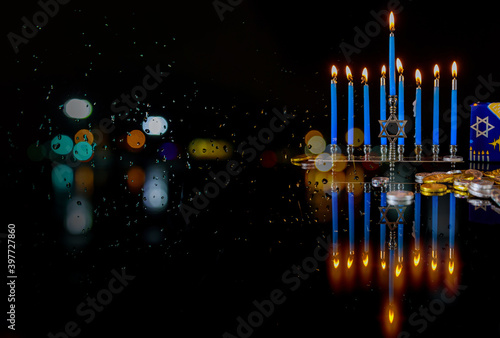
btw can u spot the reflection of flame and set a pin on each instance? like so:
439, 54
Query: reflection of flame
391, 315
365, 259
416, 258
382, 263
336, 262
451, 266
399, 268
434, 264
350, 259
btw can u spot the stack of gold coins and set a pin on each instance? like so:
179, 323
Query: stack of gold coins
439, 178
433, 189
461, 184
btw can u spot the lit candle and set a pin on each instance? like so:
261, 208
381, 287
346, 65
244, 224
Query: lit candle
435, 120
418, 109
454, 105
366, 106
383, 103
392, 57
401, 97
350, 107
333, 88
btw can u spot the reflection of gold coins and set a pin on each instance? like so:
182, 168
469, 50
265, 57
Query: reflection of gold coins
428, 194
433, 187
439, 178
462, 185
461, 194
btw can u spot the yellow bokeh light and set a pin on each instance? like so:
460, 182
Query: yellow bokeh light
316, 144
359, 137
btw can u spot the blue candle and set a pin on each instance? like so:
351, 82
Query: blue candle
383, 103
454, 105
392, 58
383, 203
401, 97
366, 107
418, 198
452, 220
435, 117
391, 276
351, 222
350, 108
434, 231
333, 117
418, 109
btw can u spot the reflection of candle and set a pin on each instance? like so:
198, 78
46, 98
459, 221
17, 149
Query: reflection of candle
454, 105
333, 117
434, 231
451, 264
401, 97
416, 257
367, 226
383, 104
418, 109
383, 203
335, 226
351, 224
392, 57
350, 106
435, 120
400, 248
366, 106
391, 276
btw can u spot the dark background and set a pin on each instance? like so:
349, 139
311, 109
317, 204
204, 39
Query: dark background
196, 279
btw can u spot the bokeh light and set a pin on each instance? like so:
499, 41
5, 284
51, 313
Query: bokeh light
83, 151
204, 148
135, 179
316, 144
78, 216
359, 137
77, 109
84, 180
155, 125
323, 162
155, 195
84, 135
62, 177
61, 144
311, 134
168, 151
136, 139
268, 159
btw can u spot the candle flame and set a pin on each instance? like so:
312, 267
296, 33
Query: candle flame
383, 264
436, 71
434, 264
391, 22
451, 266
348, 73
418, 77
391, 315
383, 71
364, 76
416, 258
399, 65
365, 259
454, 69
334, 72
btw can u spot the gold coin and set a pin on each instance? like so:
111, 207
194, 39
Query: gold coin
476, 173
461, 187
433, 187
465, 176
439, 178
434, 193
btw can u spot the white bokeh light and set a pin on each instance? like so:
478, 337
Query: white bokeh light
77, 109
155, 125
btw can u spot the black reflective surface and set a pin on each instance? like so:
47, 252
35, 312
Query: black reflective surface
165, 268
